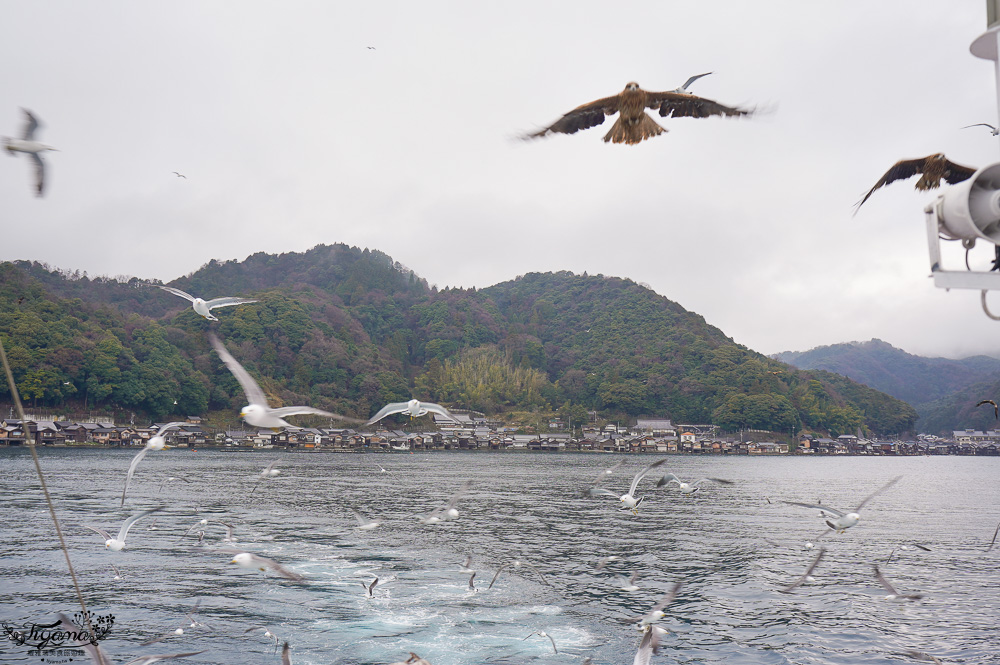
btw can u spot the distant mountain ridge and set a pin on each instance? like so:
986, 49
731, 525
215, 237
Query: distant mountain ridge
931, 385
348, 330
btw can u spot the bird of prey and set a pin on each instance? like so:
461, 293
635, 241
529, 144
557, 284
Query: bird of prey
633, 124
252, 561
893, 594
204, 307
629, 497
806, 575
156, 442
683, 89
258, 413
180, 175
932, 169
688, 488
117, 543
996, 409
414, 408
542, 633
993, 130
844, 520
28, 144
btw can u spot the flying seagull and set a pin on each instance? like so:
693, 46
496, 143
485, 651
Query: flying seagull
364, 523
252, 561
683, 89
180, 175
806, 576
688, 488
657, 613
893, 594
156, 442
649, 645
28, 144
633, 124
117, 543
844, 520
414, 659
447, 511
996, 410
516, 563
993, 130
542, 633
629, 497
932, 169
414, 408
258, 413
602, 476
204, 307
267, 633
98, 657
370, 588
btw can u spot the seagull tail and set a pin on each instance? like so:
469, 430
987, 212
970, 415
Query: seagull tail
632, 131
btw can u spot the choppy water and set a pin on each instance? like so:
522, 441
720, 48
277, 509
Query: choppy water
525, 506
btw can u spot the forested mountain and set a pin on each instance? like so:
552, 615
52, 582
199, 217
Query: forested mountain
349, 329
943, 391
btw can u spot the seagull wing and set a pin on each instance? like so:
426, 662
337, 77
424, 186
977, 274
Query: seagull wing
648, 646
685, 105
996, 410
131, 470
285, 411
599, 491
277, 567
176, 292
584, 116
169, 426
993, 542
693, 79
388, 409
497, 574
127, 524
453, 501
30, 125
436, 408
639, 476
876, 493
884, 582
668, 478
253, 392
815, 562
981, 124
228, 302
105, 534
39, 173
93, 650
286, 657
825, 509
362, 520
663, 602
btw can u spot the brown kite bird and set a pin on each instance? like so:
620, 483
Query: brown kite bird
932, 169
633, 124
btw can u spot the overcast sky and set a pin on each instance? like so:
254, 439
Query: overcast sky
292, 132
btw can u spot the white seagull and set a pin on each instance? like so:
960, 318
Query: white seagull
629, 497
156, 442
364, 523
414, 408
649, 645
447, 511
995, 131
631, 585
844, 520
253, 561
689, 488
258, 413
683, 90
542, 633
657, 612
806, 576
893, 593
29, 145
204, 307
117, 543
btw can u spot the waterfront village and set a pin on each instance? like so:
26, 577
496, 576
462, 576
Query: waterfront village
473, 431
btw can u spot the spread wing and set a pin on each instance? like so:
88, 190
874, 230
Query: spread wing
683, 105
599, 491
176, 292
228, 302
169, 426
582, 117
286, 411
436, 408
996, 409
148, 660
131, 470
253, 392
127, 524
639, 476
876, 493
39, 173
105, 534
388, 409
884, 582
802, 578
907, 168
286, 658
649, 645
30, 125
825, 509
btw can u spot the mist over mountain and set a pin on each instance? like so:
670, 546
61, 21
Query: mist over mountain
348, 329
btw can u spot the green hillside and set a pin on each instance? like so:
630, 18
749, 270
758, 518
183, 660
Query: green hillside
349, 329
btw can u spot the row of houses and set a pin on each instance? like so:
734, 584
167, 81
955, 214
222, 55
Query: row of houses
14, 432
